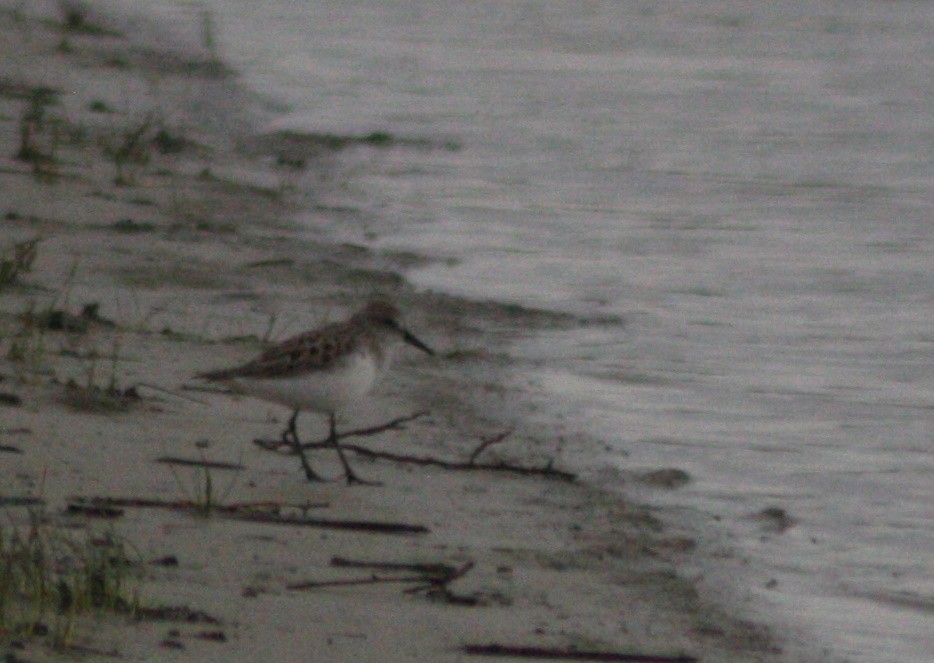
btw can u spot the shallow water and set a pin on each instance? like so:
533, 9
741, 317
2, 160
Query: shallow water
747, 187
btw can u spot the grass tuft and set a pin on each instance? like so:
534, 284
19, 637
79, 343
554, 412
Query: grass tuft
131, 149
100, 396
33, 123
50, 577
18, 260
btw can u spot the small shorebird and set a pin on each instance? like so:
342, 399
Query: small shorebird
323, 370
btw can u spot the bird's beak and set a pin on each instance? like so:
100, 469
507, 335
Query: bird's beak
411, 340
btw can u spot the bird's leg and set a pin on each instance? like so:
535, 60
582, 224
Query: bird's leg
290, 436
348, 471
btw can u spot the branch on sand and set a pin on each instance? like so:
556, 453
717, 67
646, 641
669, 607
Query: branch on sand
199, 462
433, 580
548, 470
260, 512
371, 526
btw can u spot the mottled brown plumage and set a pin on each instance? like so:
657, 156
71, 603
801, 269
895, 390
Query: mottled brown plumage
309, 351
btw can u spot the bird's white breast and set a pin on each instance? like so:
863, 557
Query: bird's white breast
336, 388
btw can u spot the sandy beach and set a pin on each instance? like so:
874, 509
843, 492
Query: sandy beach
166, 247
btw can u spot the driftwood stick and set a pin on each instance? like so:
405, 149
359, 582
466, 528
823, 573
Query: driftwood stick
274, 506
135, 502
443, 570
195, 462
183, 505
567, 654
248, 513
432, 579
372, 580
547, 470
173, 613
371, 526
396, 424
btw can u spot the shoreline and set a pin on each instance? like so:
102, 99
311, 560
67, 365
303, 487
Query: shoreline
182, 287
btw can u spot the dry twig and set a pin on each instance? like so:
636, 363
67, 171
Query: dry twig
547, 470
195, 462
371, 526
395, 424
249, 512
431, 579
487, 442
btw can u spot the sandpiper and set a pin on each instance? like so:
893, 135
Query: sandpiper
324, 370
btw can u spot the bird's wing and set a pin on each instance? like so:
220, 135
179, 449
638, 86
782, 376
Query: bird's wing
308, 352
